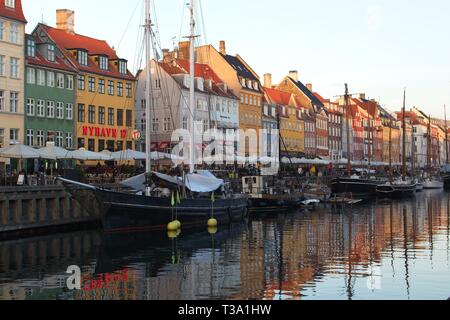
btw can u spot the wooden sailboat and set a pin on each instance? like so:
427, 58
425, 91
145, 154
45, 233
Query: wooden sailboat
143, 207
398, 188
431, 182
353, 184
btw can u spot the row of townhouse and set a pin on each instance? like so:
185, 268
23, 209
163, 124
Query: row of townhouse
62, 87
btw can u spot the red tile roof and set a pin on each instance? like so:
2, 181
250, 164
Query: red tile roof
201, 70
14, 14
59, 63
66, 41
278, 97
321, 99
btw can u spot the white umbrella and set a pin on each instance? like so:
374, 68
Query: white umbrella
129, 155
85, 155
20, 151
56, 152
107, 152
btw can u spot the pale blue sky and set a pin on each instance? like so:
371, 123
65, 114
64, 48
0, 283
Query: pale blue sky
377, 46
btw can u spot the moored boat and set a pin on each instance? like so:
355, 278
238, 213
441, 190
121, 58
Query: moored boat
397, 189
433, 184
357, 186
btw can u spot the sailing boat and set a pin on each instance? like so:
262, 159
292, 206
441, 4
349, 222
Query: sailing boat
401, 187
431, 182
446, 168
191, 199
353, 184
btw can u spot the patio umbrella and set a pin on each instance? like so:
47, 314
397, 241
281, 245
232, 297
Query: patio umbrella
20, 151
57, 152
85, 155
128, 155
107, 152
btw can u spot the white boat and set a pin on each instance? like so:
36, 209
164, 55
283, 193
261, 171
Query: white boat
419, 186
429, 184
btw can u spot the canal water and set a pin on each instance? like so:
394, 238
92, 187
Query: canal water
380, 250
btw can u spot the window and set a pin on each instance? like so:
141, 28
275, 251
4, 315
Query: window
91, 114
69, 111
40, 108
91, 145
101, 86
40, 77
155, 124
13, 102
120, 117
110, 116
120, 89
123, 67
2, 65
40, 137
69, 82
31, 76
60, 110
50, 79
128, 118
167, 124
111, 88
14, 33
81, 112
128, 90
82, 57
50, 109
81, 82
91, 84
69, 140
2, 137
143, 104
2, 28
30, 137
14, 136
2, 100
101, 115
10, 3
59, 139
143, 125
119, 145
103, 62
14, 68
30, 107
60, 81
31, 47
101, 145
51, 52
81, 143
185, 123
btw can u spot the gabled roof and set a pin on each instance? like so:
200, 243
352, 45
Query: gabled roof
201, 70
240, 67
67, 41
314, 100
278, 97
13, 13
321, 99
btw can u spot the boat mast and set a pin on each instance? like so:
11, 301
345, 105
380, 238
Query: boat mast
446, 134
404, 137
148, 95
413, 153
429, 148
192, 86
390, 151
347, 120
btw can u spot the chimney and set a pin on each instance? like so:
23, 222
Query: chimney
184, 47
293, 74
268, 80
65, 20
362, 96
309, 86
223, 48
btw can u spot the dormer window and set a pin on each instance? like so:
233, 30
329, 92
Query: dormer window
31, 48
51, 52
103, 62
82, 57
123, 67
10, 3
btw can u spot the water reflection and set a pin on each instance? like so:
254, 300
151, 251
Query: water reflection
382, 250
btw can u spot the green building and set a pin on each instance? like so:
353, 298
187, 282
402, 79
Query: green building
49, 95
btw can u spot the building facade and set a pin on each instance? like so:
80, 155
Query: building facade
12, 74
105, 88
49, 95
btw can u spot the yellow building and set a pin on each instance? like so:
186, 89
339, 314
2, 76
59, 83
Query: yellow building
105, 88
240, 78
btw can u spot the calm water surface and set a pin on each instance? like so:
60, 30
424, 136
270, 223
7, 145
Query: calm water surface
382, 250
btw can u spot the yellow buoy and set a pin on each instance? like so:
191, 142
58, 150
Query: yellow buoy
172, 226
212, 230
172, 234
212, 223
178, 223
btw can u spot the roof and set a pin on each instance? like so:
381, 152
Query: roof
278, 97
321, 99
314, 100
201, 70
240, 68
59, 63
67, 41
13, 13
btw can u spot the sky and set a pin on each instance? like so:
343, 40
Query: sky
378, 47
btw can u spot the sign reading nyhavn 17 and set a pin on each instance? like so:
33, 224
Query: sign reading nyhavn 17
104, 132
